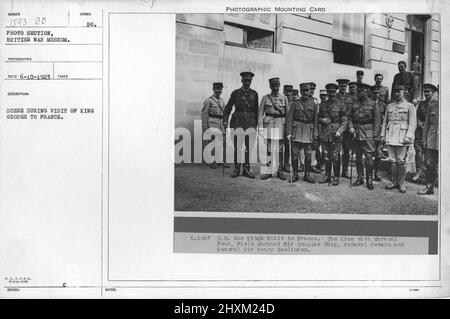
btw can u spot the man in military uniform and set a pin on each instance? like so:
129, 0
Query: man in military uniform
421, 113
302, 130
398, 132
245, 116
212, 113
352, 88
316, 147
302, 156
378, 144
359, 76
430, 139
383, 95
312, 89
271, 122
364, 124
407, 80
333, 121
347, 99
287, 91
323, 96
342, 93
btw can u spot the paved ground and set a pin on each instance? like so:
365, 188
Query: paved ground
200, 188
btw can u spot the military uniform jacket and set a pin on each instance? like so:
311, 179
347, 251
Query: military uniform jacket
408, 80
246, 109
382, 110
399, 122
383, 96
421, 113
212, 113
348, 100
431, 127
342, 97
336, 112
272, 115
290, 100
365, 118
301, 120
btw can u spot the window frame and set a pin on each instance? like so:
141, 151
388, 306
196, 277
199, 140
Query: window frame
361, 44
245, 29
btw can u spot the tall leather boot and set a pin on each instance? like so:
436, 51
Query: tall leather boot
295, 171
236, 170
327, 176
376, 165
307, 177
336, 167
369, 176
401, 177
247, 172
280, 174
430, 174
345, 160
394, 176
319, 160
359, 171
419, 166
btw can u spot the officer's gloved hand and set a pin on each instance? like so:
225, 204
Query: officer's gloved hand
352, 131
289, 137
338, 134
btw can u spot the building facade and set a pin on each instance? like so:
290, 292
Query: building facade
297, 48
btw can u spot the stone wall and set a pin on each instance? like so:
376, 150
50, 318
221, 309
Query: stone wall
302, 54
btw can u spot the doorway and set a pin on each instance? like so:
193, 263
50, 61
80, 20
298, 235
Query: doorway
414, 46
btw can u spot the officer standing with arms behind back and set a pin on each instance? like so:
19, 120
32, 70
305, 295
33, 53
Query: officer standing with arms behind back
245, 116
430, 139
364, 124
271, 122
398, 132
302, 130
333, 122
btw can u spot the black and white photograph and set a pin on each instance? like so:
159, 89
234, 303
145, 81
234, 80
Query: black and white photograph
307, 113
224, 149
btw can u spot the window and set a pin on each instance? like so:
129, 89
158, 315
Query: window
348, 39
254, 31
347, 53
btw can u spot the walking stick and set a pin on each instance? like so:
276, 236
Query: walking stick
351, 166
291, 170
332, 165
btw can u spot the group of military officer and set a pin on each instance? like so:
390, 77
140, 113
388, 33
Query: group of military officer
361, 120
